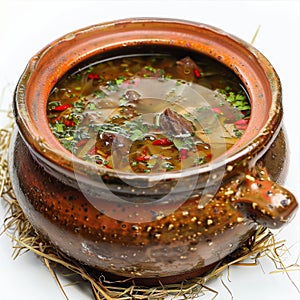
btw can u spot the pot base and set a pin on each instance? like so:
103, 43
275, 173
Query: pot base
150, 282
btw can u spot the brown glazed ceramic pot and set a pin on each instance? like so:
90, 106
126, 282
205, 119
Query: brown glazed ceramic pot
166, 227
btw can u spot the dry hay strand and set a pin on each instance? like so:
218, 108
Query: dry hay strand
25, 238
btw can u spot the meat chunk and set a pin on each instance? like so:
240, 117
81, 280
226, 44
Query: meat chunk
106, 141
188, 69
173, 123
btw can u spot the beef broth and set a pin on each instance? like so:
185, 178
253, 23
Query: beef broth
149, 113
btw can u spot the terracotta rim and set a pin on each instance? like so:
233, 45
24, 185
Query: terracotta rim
48, 65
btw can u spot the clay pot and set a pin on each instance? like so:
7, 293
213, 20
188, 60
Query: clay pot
166, 227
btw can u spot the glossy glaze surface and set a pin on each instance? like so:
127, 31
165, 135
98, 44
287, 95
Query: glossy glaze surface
142, 237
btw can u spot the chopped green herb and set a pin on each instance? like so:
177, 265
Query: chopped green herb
120, 80
199, 161
123, 101
137, 135
237, 99
51, 105
150, 68
238, 133
89, 70
59, 127
91, 106
99, 94
167, 165
184, 143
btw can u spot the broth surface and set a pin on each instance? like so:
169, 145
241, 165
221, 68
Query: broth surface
149, 113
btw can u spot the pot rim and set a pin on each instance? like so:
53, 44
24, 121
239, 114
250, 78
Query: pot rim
262, 84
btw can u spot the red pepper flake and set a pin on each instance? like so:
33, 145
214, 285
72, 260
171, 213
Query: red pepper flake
241, 124
69, 123
217, 110
61, 107
197, 73
144, 151
143, 158
81, 142
162, 142
183, 154
241, 127
93, 76
208, 156
92, 151
57, 119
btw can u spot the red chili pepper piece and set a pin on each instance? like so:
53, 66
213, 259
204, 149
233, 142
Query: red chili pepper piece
208, 156
93, 76
92, 151
216, 110
241, 124
183, 154
162, 142
69, 123
82, 142
144, 151
241, 127
197, 73
143, 158
57, 119
61, 107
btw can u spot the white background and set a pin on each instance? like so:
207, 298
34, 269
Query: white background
27, 26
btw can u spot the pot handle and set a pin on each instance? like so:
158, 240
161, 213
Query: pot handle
266, 202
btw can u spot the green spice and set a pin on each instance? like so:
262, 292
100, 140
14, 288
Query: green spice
91, 106
137, 135
120, 80
137, 129
199, 161
51, 105
238, 99
89, 70
184, 143
59, 127
167, 165
99, 94
238, 133
123, 101
150, 68
68, 144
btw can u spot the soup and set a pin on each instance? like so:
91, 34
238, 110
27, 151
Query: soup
149, 113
